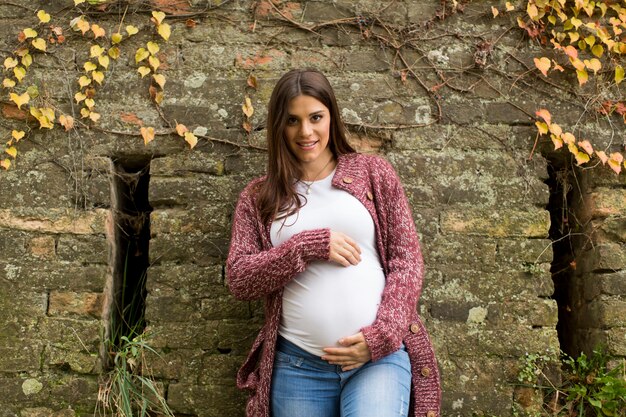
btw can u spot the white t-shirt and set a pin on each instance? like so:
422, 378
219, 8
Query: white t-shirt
328, 301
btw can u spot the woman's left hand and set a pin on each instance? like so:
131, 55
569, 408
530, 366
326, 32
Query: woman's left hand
353, 354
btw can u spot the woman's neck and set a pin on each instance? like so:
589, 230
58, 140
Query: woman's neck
317, 170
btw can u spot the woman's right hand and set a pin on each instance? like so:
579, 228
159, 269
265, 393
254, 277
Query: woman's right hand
343, 249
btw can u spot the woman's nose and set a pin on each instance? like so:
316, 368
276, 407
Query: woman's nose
306, 129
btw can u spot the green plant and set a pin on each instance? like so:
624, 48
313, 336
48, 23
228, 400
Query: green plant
588, 386
128, 390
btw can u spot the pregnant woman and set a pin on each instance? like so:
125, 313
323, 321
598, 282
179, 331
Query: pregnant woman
326, 237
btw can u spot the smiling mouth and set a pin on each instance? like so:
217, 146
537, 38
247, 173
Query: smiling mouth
307, 145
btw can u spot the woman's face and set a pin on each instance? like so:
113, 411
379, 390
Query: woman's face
307, 131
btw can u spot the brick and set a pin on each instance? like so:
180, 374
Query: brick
519, 340
206, 400
45, 186
183, 365
450, 250
20, 355
166, 191
172, 335
210, 218
54, 220
524, 251
605, 313
236, 337
535, 312
184, 248
70, 334
54, 276
532, 222
43, 247
187, 280
185, 162
172, 309
613, 229
608, 201
75, 304
604, 284
83, 249
610, 256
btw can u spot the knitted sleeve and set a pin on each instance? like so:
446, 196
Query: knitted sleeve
405, 265
251, 271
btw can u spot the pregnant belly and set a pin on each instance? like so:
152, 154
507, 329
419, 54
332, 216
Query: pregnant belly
327, 302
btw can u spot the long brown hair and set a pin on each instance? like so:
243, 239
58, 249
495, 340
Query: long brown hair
276, 194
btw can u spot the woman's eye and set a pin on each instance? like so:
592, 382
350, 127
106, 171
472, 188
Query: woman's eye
316, 117
292, 121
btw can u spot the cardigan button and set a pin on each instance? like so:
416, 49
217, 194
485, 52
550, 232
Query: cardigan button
431, 413
425, 372
347, 180
370, 196
414, 328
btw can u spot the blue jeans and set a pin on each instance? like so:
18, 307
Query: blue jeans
303, 385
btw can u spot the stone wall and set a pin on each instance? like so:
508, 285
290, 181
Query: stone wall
462, 150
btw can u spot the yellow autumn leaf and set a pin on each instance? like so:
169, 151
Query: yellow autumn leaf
247, 108
158, 97
10, 63
545, 115
590, 40
532, 11
581, 158
153, 47
494, 11
20, 100
555, 129
573, 149
39, 44
597, 50
191, 139
43, 16
154, 62
84, 112
5, 163
89, 66
114, 52
148, 134
583, 77
573, 36
552, 19
619, 74
98, 76
27, 60
11, 151
116, 38
17, 134
90, 103
131, 30
593, 64
558, 143
77, 2
181, 129
103, 60
47, 112
576, 22
8, 83
80, 24
542, 128
29, 33
141, 54
84, 81
568, 138
160, 79
543, 64
509, 6
94, 116
602, 156
96, 51
586, 146
158, 17
164, 30
79, 97
615, 161
143, 71
66, 121
98, 31
19, 72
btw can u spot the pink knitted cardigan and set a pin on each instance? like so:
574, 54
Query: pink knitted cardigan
256, 269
